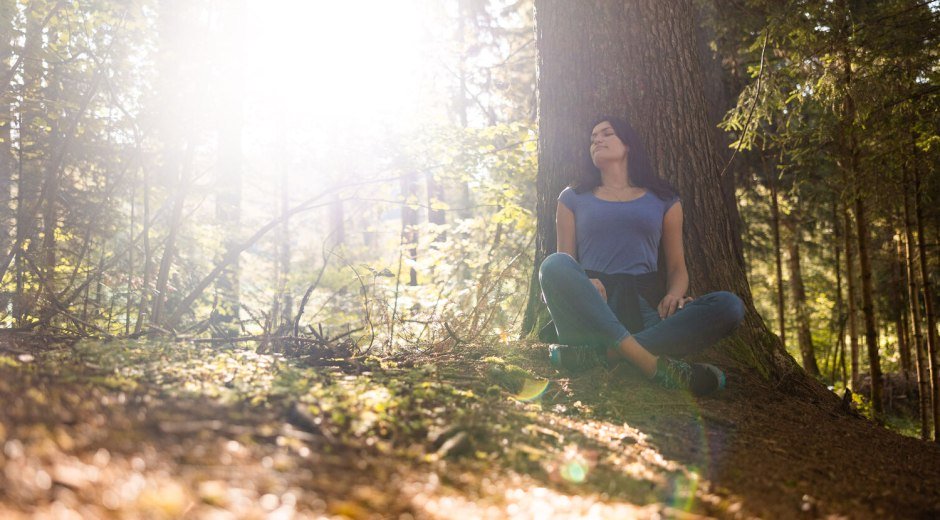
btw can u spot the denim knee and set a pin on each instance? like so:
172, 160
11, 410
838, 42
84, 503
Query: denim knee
555, 265
731, 308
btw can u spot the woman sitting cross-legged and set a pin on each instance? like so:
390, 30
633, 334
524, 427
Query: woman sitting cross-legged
606, 297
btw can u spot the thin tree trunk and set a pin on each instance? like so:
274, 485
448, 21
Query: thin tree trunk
145, 290
462, 102
53, 95
29, 174
899, 299
169, 247
285, 302
7, 161
913, 296
931, 336
798, 300
868, 307
778, 257
839, 311
850, 281
175, 132
849, 158
130, 261
409, 223
228, 187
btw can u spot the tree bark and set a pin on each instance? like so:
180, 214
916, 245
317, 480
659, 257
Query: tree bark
778, 257
868, 307
7, 161
852, 289
900, 303
798, 300
931, 336
640, 59
913, 296
840, 315
53, 94
146, 293
29, 171
849, 157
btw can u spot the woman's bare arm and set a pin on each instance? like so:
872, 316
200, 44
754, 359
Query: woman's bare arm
567, 240
565, 231
677, 275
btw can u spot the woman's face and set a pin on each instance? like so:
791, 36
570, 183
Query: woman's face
605, 145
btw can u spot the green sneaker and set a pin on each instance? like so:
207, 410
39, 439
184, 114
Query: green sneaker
699, 378
575, 358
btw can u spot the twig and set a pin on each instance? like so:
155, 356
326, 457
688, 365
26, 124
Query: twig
303, 301
747, 123
452, 334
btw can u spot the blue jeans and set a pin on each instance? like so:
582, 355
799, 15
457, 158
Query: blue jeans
583, 318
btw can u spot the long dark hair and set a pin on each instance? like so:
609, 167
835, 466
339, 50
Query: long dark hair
638, 163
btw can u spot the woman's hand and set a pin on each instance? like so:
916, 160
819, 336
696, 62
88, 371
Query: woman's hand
600, 288
671, 303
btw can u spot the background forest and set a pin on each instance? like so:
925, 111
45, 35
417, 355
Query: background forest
362, 175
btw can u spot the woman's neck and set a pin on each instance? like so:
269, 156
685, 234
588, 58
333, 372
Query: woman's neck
615, 175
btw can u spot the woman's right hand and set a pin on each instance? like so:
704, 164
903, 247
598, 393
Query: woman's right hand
600, 288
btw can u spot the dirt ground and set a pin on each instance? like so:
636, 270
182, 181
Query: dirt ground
176, 430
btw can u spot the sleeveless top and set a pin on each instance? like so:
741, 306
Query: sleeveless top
617, 237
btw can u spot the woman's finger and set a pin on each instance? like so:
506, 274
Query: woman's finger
672, 307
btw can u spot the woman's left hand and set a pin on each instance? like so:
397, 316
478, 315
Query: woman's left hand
670, 304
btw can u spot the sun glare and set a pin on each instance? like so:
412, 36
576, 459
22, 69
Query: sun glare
334, 60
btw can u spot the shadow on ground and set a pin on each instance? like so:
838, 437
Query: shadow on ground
167, 430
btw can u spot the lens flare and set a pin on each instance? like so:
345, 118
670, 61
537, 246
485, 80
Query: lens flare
532, 389
575, 471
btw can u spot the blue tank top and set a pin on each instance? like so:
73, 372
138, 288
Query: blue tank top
617, 237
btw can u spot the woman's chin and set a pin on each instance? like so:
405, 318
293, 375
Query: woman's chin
600, 158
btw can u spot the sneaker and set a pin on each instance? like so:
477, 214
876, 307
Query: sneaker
574, 358
699, 378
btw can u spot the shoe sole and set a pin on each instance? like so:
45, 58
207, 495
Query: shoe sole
719, 375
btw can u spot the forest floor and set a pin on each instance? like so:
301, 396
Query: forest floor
168, 430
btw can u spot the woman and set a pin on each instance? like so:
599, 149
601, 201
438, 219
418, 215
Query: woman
607, 297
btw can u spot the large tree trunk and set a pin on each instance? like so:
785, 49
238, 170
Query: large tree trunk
640, 59
798, 300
